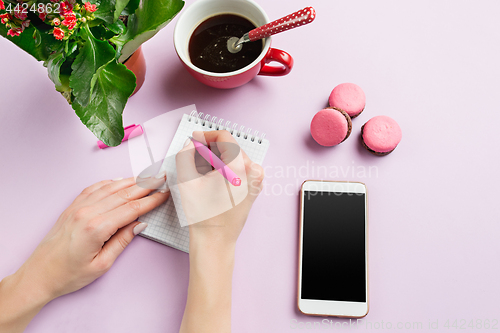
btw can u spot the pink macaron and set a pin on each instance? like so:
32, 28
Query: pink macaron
330, 127
381, 135
348, 97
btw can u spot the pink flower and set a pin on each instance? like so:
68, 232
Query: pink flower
18, 12
66, 8
26, 24
42, 13
56, 21
2, 6
58, 33
70, 21
5, 17
14, 32
90, 7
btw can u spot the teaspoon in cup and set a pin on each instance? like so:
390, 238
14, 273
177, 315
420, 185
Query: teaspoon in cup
297, 19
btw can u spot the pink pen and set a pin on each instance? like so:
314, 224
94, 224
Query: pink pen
130, 132
210, 157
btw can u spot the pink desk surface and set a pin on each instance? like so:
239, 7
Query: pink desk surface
433, 203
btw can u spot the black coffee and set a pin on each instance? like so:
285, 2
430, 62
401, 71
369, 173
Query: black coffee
208, 44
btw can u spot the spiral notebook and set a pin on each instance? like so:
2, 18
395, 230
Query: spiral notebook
165, 223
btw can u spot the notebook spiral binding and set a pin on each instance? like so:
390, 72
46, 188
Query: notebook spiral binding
218, 125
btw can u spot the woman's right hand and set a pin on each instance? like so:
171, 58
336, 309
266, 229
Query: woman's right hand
216, 211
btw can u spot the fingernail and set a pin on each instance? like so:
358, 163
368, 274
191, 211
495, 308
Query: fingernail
165, 190
187, 142
117, 179
146, 175
160, 175
140, 228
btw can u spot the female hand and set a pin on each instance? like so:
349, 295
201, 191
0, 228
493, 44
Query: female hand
216, 212
207, 199
83, 244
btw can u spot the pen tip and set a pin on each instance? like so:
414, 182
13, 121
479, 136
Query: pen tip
236, 182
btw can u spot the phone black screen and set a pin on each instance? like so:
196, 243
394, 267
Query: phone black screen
333, 257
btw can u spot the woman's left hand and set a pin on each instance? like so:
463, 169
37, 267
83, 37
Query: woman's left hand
83, 244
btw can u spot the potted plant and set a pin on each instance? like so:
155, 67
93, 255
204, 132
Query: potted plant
84, 44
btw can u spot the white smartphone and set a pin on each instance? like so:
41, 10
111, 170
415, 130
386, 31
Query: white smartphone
333, 249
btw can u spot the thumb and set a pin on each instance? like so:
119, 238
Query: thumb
185, 163
120, 240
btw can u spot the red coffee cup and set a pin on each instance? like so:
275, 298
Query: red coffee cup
202, 10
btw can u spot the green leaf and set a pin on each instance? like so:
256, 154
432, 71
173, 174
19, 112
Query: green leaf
39, 47
64, 75
110, 10
71, 48
54, 64
106, 10
120, 6
99, 32
103, 115
118, 27
149, 18
37, 37
131, 7
93, 56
